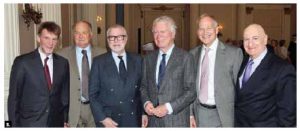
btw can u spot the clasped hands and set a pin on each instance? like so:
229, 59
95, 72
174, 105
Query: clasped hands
159, 111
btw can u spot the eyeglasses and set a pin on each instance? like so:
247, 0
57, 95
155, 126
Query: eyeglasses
118, 38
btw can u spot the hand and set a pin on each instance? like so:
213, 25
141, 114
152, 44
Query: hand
193, 122
160, 111
66, 125
108, 122
144, 121
149, 108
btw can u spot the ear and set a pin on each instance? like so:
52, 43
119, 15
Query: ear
38, 39
217, 29
266, 39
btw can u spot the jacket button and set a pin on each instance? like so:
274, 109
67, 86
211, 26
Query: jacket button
47, 111
78, 78
111, 90
132, 100
131, 113
121, 102
119, 114
136, 86
78, 89
79, 100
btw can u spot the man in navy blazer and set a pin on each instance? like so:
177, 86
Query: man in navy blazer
114, 84
266, 88
37, 98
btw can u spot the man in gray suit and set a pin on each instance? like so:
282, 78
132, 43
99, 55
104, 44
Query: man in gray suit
168, 82
80, 114
217, 68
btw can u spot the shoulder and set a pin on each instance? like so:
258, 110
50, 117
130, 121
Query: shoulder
98, 50
102, 57
64, 51
195, 50
24, 57
60, 58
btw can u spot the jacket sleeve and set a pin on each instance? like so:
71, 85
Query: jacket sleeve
15, 91
286, 97
66, 93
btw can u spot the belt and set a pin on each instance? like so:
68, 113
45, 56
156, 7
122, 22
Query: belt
208, 106
85, 102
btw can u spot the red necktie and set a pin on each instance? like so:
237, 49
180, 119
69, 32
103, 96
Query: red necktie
47, 74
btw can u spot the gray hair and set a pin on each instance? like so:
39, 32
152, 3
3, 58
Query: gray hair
167, 20
115, 26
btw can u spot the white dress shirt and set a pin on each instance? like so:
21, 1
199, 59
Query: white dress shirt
211, 85
117, 59
256, 62
49, 62
79, 56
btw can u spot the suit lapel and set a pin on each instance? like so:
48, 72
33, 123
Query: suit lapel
260, 72
170, 65
38, 68
73, 61
152, 67
197, 58
112, 67
220, 60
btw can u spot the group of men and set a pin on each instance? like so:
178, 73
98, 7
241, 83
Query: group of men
213, 85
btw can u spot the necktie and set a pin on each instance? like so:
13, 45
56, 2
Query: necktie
204, 77
247, 72
122, 69
162, 68
47, 73
85, 70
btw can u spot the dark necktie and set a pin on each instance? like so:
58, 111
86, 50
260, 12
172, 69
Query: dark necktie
47, 73
247, 72
85, 70
122, 69
204, 77
162, 68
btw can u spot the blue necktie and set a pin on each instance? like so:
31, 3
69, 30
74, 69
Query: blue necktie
162, 68
247, 72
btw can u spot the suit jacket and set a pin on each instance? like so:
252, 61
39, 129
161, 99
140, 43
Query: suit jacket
177, 87
112, 97
30, 103
227, 64
75, 85
268, 98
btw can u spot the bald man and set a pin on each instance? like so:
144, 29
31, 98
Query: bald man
266, 87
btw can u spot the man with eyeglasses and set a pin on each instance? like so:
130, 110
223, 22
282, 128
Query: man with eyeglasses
114, 83
80, 56
217, 67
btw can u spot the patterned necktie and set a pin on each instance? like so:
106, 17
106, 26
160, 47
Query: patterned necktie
85, 70
247, 72
162, 68
122, 69
204, 77
47, 73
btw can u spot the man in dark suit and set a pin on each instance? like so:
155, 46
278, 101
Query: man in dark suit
80, 114
266, 88
168, 83
114, 84
39, 84
214, 106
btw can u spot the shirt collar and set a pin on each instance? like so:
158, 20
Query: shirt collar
43, 55
213, 46
88, 49
260, 57
115, 55
168, 53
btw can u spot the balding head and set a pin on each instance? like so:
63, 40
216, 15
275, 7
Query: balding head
255, 40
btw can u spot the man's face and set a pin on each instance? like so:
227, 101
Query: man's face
163, 36
255, 41
47, 41
207, 31
82, 35
117, 39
